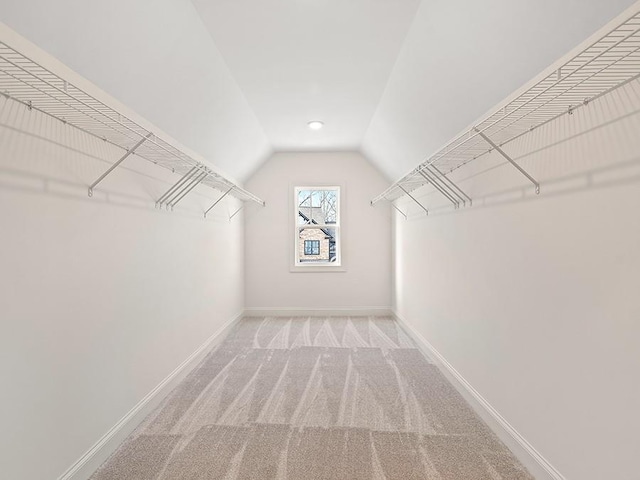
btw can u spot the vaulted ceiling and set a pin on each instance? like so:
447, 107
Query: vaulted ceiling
236, 80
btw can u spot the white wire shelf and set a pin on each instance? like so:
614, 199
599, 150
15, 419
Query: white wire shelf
607, 64
37, 88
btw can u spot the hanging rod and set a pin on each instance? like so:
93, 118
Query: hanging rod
609, 63
35, 87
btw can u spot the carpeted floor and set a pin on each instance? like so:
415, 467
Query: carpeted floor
314, 398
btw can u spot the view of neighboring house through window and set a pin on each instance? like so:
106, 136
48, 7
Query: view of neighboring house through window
317, 225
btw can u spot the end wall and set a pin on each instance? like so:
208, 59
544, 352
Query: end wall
534, 300
366, 236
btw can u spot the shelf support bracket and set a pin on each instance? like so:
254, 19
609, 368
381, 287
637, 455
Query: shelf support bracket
413, 198
113, 167
236, 212
439, 187
176, 186
183, 193
518, 167
453, 187
399, 211
218, 201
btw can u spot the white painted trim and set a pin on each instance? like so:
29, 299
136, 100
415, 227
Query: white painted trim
316, 312
537, 465
110, 441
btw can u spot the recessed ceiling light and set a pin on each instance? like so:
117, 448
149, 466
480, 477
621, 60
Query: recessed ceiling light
315, 124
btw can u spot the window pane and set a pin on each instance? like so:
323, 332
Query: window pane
317, 245
329, 206
317, 215
317, 207
317, 225
305, 209
304, 215
304, 198
315, 198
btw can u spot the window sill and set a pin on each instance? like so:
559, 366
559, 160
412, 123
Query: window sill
317, 268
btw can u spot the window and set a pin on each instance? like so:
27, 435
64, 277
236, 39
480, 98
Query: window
312, 247
317, 226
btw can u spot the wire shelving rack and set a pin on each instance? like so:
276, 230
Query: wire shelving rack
609, 63
25, 81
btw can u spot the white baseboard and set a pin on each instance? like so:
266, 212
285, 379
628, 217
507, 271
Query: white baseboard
84, 467
316, 312
537, 465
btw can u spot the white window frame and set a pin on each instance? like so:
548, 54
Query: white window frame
338, 265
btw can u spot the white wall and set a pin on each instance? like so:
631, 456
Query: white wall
366, 236
100, 298
534, 300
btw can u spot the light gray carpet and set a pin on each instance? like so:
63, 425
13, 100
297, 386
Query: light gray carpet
314, 398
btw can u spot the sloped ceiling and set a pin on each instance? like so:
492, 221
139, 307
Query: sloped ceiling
300, 60
235, 80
